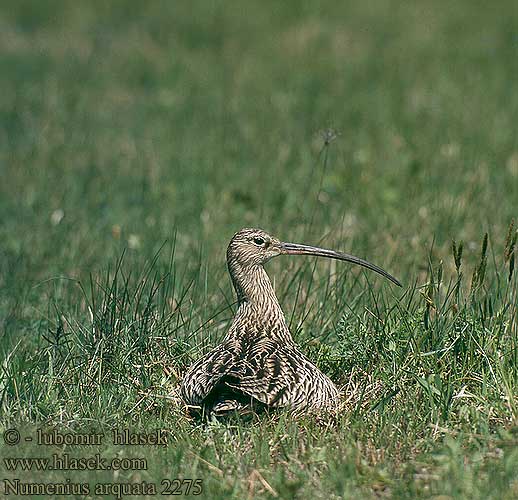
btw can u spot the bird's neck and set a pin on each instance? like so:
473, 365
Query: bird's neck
255, 293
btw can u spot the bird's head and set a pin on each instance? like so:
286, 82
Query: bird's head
253, 247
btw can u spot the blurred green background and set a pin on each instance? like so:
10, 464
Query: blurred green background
204, 117
125, 125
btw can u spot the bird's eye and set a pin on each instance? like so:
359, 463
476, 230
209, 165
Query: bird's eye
258, 241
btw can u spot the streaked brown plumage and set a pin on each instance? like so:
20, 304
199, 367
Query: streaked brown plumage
258, 365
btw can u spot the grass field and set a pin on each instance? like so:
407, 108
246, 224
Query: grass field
137, 137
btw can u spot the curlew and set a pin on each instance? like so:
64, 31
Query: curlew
258, 366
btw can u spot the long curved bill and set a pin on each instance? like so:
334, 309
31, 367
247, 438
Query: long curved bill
298, 249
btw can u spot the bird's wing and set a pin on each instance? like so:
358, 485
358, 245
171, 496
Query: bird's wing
274, 375
205, 374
